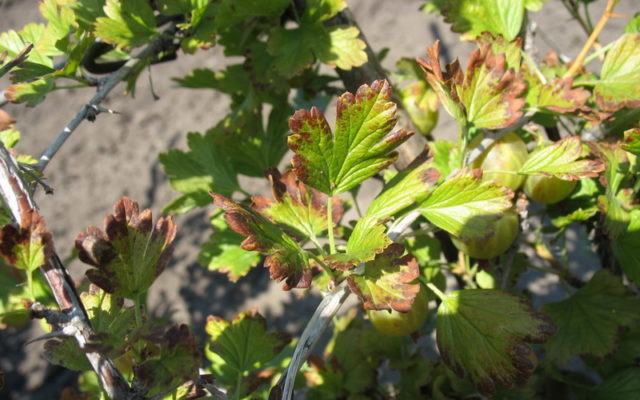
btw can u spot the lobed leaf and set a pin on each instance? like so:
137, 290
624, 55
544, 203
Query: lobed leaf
556, 96
176, 360
632, 141
486, 95
465, 206
625, 248
618, 85
285, 258
500, 326
126, 24
297, 209
223, 252
29, 246
240, 347
196, 172
360, 147
130, 254
588, 321
387, 281
560, 159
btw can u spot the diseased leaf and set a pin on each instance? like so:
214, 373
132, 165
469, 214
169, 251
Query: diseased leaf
285, 258
387, 281
500, 326
589, 320
126, 24
556, 96
560, 159
360, 147
177, 361
241, 347
446, 156
408, 187
297, 209
465, 206
223, 252
196, 172
487, 94
632, 141
29, 246
30, 93
512, 49
618, 85
130, 254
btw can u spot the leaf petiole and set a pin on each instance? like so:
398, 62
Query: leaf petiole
435, 290
332, 240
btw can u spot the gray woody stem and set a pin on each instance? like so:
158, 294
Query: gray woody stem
92, 106
19, 201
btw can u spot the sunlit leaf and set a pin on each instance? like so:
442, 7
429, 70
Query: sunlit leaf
618, 85
30, 93
465, 206
556, 96
131, 252
360, 147
604, 300
29, 246
300, 210
223, 252
387, 281
500, 326
285, 258
127, 23
632, 141
626, 249
560, 159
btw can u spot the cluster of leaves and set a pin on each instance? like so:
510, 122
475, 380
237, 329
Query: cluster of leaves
451, 195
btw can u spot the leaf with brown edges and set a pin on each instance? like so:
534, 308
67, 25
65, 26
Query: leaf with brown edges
29, 246
387, 281
285, 258
131, 252
298, 209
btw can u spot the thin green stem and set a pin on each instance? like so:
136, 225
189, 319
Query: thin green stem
30, 283
332, 240
355, 203
598, 53
435, 290
137, 311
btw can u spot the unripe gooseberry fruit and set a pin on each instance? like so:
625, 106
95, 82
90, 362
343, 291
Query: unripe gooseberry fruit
505, 233
501, 161
421, 103
395, 323
548, 190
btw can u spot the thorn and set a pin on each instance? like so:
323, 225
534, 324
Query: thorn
93, 110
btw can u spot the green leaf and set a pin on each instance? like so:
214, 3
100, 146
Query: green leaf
626, 250
500, 326
588, 321
175, 7
343, 49
241, 347
623, 385
30, 93
87, 12
297, 209
555, 96
466, 207
231, 12
446, 156
130, 254
61, 22
387, 281
177, 361
472, 17
9, 137
632, 141
29, 246
285, 258
560, 160
367, 239
618, 85
634, 24
360, 146
127, 23
407, 188
200, 170
223, 252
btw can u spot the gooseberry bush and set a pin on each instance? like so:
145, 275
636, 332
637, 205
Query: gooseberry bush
544, 147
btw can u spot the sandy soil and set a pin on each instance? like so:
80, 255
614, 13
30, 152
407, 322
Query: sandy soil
117, 156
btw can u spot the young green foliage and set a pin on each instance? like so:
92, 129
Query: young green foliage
617, 86
360, 147
241, 348
126, 23
130, 254
588, 322
625, 248
500, 326
465, 206
285, 259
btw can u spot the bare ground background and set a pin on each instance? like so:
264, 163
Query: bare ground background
117, 156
